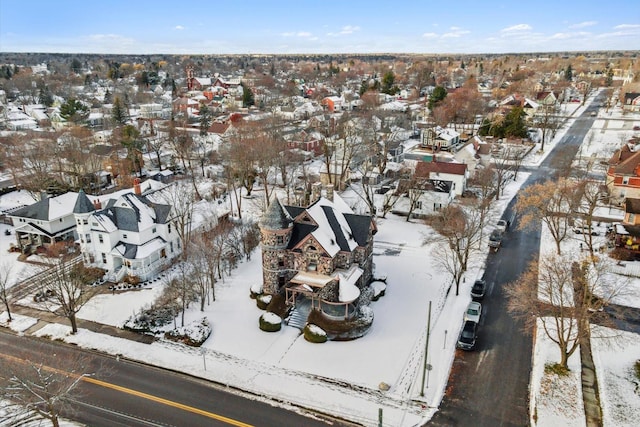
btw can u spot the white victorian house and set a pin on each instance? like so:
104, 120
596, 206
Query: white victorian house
131, 236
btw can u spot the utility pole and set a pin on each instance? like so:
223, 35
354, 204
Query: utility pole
426, 351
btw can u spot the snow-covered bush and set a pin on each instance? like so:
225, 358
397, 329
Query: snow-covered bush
379, 289
270, 322
262, 301
314, 334
255, 290
151, 318
193, 334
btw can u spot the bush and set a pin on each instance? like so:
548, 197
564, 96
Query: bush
278, 305
344, 330
262, 301
255, 290
270, 322
151, 318
194, 334
379, 289
314, 334
556, 368
637, 369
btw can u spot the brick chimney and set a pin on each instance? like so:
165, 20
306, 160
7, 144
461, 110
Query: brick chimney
97, 204
329, 192
316, 189
136, 186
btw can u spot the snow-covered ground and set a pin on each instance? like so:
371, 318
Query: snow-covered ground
557, 401
343, 378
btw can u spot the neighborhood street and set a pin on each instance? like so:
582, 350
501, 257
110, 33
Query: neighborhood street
490, 386
123, 393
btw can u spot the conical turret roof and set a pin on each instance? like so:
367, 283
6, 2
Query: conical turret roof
83, 204
276, 217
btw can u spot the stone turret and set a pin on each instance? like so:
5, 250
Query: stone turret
276, 226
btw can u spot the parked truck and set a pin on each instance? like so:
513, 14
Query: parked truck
495, 239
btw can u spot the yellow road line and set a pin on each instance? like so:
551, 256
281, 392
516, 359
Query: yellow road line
137, 393
167, 402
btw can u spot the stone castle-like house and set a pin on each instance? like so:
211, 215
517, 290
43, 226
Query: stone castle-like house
322, 253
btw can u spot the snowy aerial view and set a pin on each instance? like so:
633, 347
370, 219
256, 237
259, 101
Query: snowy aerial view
319, 213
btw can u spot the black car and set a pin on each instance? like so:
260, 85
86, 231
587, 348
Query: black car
467, 338
478, 288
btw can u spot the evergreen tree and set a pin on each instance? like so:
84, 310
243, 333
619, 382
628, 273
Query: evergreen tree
568, 73
118, 112
438, 94
247, 96
45, 97
514, 124
76, 66
387, 83
205, 120
74, 111
108, 97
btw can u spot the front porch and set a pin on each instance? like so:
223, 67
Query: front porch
303, 290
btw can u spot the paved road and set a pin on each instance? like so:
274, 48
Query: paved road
124, 393
489, 387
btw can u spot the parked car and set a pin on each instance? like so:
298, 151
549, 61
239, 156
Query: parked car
467, 338
478, 288
474, 310
636, 128
584, 229
502, 225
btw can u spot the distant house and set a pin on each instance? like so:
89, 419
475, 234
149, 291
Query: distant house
623, 175
627, 234
457, 173
427, 195
631, 102
439, 138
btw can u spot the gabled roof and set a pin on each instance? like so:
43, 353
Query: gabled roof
131, 212
425, 169
50, 208
628, 166
331, 223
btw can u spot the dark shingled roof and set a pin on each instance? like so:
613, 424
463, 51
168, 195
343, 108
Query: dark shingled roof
360, 225
38, 210
341, 239
83, 204
632, 205
276, 217
127, 219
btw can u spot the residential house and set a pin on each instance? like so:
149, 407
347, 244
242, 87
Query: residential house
631, 102
133, 235
439, 138
456, 173
48, 221
623, 175
427, 195
627, 233
320, 255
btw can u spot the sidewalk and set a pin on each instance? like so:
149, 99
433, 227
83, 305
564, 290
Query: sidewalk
46, 317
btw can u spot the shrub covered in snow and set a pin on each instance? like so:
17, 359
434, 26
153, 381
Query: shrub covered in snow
255, 290
193, 334
314, 334
270, 322
262, 301
151, 318
379, 289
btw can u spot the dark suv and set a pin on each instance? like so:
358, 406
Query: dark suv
467, 338
478, 288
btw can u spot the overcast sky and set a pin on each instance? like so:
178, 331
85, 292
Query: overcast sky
323, 26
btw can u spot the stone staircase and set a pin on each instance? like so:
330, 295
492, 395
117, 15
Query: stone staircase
297, 319
299, 314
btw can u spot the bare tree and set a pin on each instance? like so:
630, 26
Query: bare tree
5, 275
591, 195
182, 289
561, 297
484, 185
457, 233
46, 387
67, 285
503, 169
181, 198
550, 202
